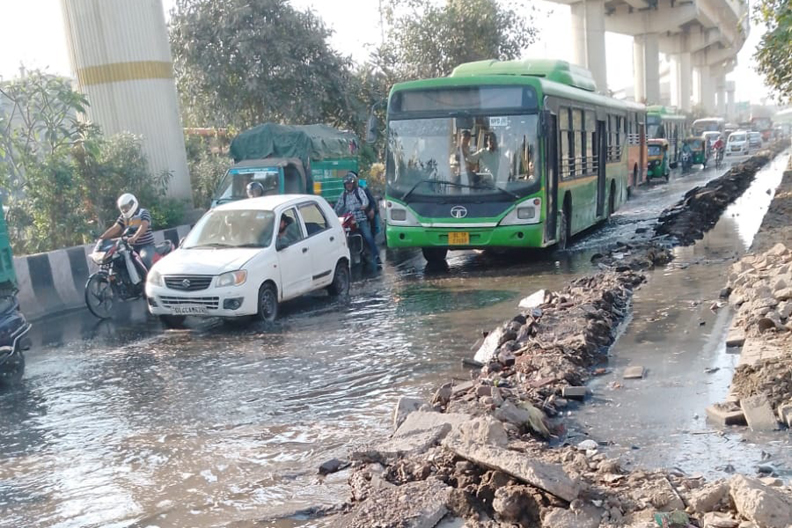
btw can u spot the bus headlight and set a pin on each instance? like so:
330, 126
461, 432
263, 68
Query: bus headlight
400, 215
527, 212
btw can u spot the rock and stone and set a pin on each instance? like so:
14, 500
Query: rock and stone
405, 406
718, 520
762, 505
785, 414
489, 348
425, 421
574, 393
525, 414
726, 414
635, 372
588, 516
516, 504
736, 337
333, 466
480, 430
461, 388
709, 497
549, 477
758, 413
443, 395
587, 444
414, 505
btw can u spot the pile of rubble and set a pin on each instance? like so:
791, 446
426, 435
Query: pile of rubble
701, 207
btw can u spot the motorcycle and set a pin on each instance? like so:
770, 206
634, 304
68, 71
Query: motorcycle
13, 339
121, 275
687, 161
358, 250
719, 158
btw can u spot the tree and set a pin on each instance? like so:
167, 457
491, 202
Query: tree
244, 62
773, 53
429, 40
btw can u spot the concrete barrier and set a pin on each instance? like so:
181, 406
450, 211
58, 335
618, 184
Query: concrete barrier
52, 283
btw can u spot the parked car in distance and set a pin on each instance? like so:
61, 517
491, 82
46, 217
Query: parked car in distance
755, 139
737, 144
236, 261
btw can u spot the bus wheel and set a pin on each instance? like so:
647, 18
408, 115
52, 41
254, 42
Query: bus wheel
612, 199
563, 228
435, 254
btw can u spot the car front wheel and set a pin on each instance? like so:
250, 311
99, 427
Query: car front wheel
268, 302
340, 285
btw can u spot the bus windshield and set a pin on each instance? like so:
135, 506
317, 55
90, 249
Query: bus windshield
480, 156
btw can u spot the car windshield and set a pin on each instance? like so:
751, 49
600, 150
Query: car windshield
234, 184
736, 137
232, 229
482, 155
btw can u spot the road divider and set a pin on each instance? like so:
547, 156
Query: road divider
52, 283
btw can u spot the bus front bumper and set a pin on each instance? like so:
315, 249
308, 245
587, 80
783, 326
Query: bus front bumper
518, 236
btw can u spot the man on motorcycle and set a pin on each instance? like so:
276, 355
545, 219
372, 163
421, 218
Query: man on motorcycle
254, 189
135, 217
355, 201
718, 147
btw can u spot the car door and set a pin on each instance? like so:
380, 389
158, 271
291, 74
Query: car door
294, 256
323, 242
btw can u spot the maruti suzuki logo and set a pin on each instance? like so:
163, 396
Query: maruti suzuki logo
186, 283
458, 211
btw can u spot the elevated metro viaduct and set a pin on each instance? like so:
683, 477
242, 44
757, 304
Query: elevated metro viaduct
704, 35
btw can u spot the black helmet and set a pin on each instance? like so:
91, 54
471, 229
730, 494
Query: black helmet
255, 189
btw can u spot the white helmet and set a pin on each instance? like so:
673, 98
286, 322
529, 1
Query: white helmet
128, 205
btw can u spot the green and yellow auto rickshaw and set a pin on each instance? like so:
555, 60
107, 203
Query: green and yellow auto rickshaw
657, 151
694, 152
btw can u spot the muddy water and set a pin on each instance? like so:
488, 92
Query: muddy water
675, 334
126, 425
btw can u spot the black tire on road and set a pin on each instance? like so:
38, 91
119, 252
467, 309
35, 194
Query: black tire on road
268, 302
99, 295
174, 322
340, 285
434, 254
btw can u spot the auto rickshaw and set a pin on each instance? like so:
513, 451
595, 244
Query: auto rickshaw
696, 150
657, 150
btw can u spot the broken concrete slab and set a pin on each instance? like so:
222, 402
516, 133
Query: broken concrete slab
758, 413
718, 520
405, 406
765, 506
757, 349
524, 414
415, 443
534, 300
463, 387
588, 517
549, 477
415, 505
490, 346
785, 414
425, 421
574, 393
735, 337
725, 414
707, 498
635, 372
480, 430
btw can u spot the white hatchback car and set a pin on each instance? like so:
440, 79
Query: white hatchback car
737, 144
246, 257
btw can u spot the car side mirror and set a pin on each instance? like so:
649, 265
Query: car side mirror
372, 128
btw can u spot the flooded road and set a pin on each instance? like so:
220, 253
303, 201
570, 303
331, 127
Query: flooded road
128, 425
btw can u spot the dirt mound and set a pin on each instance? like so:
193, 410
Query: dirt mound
771, 377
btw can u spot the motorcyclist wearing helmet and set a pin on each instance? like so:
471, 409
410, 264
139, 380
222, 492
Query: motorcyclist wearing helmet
254, 189
135, 217
355, 201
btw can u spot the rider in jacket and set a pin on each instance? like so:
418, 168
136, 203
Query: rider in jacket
354, 200
135, 217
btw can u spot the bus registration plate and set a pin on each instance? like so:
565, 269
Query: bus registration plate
458, 239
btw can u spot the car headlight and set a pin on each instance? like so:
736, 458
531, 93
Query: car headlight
154, 278
232, 278
525, 213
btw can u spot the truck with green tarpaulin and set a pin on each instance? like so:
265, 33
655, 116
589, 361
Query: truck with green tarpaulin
290, 159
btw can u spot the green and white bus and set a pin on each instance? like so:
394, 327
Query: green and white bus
510, 154
664, 123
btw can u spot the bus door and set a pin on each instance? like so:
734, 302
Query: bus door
602, 161
551, 170
644, 162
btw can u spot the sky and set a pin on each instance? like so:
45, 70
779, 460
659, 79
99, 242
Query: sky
39, 26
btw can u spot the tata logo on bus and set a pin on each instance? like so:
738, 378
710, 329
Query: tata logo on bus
458, 211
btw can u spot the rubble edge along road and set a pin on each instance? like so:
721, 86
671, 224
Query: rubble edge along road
501, 471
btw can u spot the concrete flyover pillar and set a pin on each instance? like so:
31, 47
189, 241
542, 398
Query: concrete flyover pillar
120, 55
706, 90
639, 68
684, 62
588, 28
730, 110
720, 89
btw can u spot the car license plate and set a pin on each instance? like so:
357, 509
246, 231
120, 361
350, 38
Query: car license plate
190, 310
458, 239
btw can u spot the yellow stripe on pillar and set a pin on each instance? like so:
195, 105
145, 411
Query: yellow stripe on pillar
124, 71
